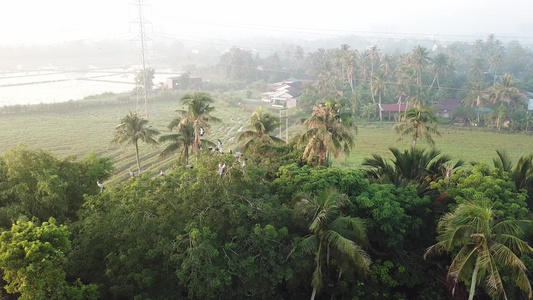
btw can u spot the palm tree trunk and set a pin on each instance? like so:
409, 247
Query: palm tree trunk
473, 284
137, 156
313, 294
433, 82
415, 137
371, 82
380, 112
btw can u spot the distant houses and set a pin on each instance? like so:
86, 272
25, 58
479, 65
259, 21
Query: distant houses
284, 93
392, 111
445, 107
442, 108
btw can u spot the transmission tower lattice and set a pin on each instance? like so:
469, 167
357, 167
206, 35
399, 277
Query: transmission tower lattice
144, 65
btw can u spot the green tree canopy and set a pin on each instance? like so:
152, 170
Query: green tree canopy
32, 258
37, 184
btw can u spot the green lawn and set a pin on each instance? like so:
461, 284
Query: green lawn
90, 128
468, 144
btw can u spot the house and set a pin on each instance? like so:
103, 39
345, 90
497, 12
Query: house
445, 107
392, 110
284, 93
184, 82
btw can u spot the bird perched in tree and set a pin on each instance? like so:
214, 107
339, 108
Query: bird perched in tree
101, 186
221, 169
202, 131
189, 166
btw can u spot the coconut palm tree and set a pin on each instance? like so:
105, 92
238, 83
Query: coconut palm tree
331, 235
419, 60
440, 65
421, 123
476, 69
327, 132
484, 247
184, 139
198, 113
262, 125
506, 92
380, 89
477, 96
133, 128
374, 55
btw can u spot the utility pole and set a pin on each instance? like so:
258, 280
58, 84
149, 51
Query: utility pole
286, 117
144, 65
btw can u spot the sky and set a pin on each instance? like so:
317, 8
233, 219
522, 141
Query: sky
38, 22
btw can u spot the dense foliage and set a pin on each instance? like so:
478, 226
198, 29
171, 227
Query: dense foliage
243, 233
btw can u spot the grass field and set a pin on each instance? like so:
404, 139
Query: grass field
90, 128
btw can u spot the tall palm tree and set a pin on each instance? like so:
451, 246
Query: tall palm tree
485, 247
380, 89
477, 96
476, 69
184, 139
505, 91
419, 60
262, 125
373, 55
421, 123
198, 113
440, 65
331, 234
133, 128
327, 132
405, 80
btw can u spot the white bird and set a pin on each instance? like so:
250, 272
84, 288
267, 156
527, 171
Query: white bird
243, 164
101, 186
161, 173
202, 131
221, 169
220, 145
189, 166
132, 173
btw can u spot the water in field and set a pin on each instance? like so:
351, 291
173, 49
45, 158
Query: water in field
50, 86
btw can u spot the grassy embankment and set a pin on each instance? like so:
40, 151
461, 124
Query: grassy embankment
90, 127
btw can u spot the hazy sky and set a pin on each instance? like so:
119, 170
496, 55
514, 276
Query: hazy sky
56, 21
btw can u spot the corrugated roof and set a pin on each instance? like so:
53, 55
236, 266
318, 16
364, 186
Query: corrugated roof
449, 104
